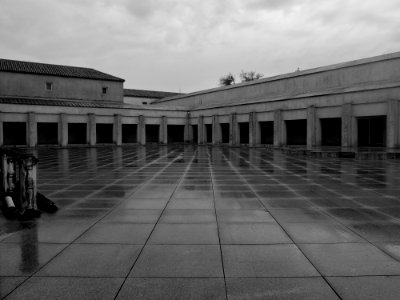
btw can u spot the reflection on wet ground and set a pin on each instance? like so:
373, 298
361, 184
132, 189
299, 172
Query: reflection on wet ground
185, 222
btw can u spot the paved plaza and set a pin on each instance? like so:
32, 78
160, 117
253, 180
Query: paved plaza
186, 222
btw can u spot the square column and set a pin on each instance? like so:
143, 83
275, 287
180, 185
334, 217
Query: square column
347, 126
188, 132
233, 130
117, 135
92, 129
163, 130
392, 126
311, 126
1, 129
279, 128
253, 132
63, 138
32, 129
141, 130
215, 130
200, 128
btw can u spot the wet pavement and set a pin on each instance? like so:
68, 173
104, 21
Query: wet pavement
185, 222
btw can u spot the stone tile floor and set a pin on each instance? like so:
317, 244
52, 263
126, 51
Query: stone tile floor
185, 222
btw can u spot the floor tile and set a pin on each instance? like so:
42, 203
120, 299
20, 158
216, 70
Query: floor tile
92, 260
227, 203
191, 203
252, 233
135, 203
265, 261
179, 261
144, 216
8, 284
24, 259
279, 288
169, 234
173, 288
367, 288
235, 216
118, 233
50, 232
320, 233
188, 216
67, 288
350, 259
378, 231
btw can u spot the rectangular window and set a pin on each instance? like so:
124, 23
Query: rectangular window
49, 86
105, 90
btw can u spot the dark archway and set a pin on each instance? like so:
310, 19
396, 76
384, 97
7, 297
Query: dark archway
47, 133
331, 132
77, 133
372, 131
224, 133
244, 134
129, 133
152, 133
296, 132
14, 133
266, 132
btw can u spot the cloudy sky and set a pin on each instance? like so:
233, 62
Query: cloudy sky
186, 45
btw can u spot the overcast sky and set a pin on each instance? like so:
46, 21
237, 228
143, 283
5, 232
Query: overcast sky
187, 45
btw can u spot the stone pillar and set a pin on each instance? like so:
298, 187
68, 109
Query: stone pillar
215, 130
117, 136
347, 128
253, 132
1, 129
278, 129
164, 130
141, 130
63, 123
32, 129
233, 130
311, 126
188, 132
92, 129
392, 121
200, 128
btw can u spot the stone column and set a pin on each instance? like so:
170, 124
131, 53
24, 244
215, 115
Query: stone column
141, 130
92, 129
188, 132
392, 121
1, 129
347, 128
233, 130
200, 128
32, 129
253, 132
215, 130
164, 130
63, 123
311, 126
117, 136
278, 128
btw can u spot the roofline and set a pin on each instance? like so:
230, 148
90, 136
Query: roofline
117, 79
342, 65
150, 91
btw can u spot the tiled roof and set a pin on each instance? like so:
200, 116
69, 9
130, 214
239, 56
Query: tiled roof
148, 94
16, 66
59, 102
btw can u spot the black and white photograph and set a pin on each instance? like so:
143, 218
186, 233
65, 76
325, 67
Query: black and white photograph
199, 150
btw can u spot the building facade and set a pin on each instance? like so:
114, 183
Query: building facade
353, 104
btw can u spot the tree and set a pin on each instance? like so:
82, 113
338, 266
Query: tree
249, 76
228, 79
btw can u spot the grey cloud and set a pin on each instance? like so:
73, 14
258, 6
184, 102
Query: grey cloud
270, 4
